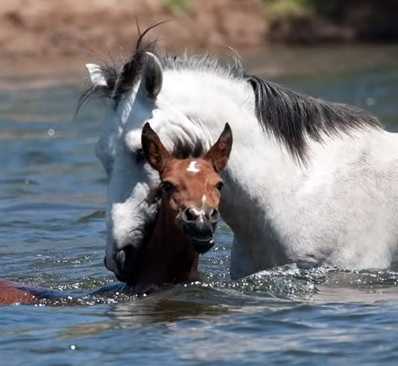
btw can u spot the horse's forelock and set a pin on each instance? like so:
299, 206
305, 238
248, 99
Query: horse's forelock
186, 149
121, 78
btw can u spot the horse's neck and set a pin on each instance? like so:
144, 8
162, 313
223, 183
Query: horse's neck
168, 256
260, 178
260, 170
260, 174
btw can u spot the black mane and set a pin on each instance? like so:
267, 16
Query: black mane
184, 149
120, 79
291, 117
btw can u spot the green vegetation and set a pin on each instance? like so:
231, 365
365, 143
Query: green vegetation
285, 9
178, 7
300, 8
329, 9
318, 20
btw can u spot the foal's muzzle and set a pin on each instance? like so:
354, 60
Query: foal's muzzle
199, 226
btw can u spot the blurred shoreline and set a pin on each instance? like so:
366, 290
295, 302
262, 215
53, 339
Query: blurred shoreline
43, 40
272, 62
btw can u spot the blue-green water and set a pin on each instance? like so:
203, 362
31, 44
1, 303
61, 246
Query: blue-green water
52, 193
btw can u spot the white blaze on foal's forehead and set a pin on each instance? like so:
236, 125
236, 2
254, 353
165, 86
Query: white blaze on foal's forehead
193, 167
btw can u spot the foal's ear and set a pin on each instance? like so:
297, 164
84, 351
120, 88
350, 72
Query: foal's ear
219, 152
153, 75
154, 151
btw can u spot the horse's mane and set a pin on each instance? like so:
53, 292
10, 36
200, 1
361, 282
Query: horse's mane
290, 116
120, 79
184, 149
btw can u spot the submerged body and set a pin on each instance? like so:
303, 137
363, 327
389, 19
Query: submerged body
12, 293
307, 182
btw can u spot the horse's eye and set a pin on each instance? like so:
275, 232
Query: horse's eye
167, 187
219, 186
139, 156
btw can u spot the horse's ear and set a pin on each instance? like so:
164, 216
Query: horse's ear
154, 151
219, 152
153, 75
96, 75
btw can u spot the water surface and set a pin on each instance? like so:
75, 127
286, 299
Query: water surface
52, 193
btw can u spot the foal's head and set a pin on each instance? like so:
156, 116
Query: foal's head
189, 195
190, 188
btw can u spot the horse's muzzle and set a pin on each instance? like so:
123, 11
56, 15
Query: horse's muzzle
200, 229
202, 246
127, 261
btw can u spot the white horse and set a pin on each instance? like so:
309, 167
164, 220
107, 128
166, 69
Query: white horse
308, 181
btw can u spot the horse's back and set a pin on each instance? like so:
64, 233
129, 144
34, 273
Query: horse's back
340, 209
345, 212
12, 293
19, 293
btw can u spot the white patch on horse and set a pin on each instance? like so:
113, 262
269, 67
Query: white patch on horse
193, 167
331, 210
96, 75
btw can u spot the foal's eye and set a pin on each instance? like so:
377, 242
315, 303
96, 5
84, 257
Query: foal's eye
219, 186
139, 156
167, 187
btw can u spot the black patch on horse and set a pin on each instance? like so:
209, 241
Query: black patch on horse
292, 117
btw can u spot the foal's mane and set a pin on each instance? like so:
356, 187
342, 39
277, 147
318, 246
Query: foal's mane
289, 116
184, 149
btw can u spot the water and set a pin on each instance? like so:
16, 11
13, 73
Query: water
52, 193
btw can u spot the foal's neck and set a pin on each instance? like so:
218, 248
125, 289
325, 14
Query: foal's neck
168, 258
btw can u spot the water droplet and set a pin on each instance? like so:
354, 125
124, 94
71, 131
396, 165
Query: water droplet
370, 101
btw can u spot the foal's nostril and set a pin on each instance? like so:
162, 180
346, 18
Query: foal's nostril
189, 215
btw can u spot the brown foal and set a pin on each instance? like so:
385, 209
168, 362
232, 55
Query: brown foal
188, 197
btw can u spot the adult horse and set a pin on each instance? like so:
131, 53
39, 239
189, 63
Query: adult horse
187, 201
308, 181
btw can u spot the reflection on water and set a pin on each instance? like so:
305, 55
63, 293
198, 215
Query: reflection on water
52, 193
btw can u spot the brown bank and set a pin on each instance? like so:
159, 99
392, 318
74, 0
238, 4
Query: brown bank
53, 32
54, 38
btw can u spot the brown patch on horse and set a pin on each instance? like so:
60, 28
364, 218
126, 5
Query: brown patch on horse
12, 293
